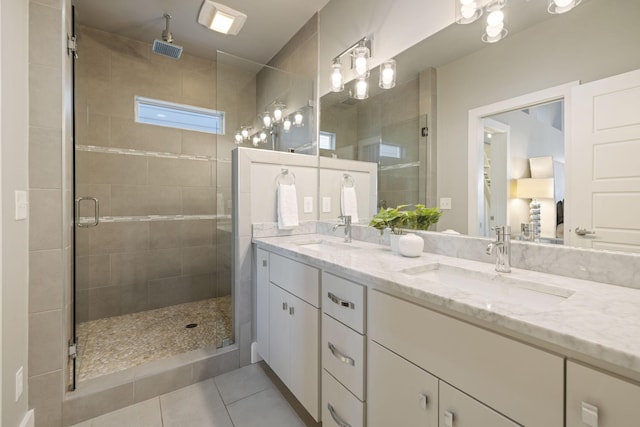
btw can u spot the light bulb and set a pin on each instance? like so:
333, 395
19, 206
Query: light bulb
495, 30
263, 136
286, 125
563, 3
495, 18
466, 2
256, 141
245, 133
238, 138
468, 10
362, 87
277, 114
337, 83
266, 120
387, 74
297, 118
361, 55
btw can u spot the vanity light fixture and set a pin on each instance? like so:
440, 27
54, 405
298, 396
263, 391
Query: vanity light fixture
361, 88
221, 18
238, 138
360, 57
468, 11
256, 140
263, 136
387, 74
278, 111
298, 119
562, 6
266, 119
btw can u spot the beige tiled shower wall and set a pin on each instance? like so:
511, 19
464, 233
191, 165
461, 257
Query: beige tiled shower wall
130, 266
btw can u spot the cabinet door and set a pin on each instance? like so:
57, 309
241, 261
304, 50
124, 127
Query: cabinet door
279, 343
304, 357
398, 392
262, 303
459, 410
597, 399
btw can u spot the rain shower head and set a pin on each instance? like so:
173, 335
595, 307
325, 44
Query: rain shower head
165, 46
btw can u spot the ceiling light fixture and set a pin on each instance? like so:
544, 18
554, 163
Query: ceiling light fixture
221, 18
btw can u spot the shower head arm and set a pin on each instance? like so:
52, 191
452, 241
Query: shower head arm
166, 34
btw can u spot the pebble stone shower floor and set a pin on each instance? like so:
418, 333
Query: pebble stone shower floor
116, 343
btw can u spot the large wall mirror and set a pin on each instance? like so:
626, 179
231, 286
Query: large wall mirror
594, 41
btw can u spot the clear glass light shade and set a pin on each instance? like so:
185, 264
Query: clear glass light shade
361, 88
256, 140
337, 80
298, 118
562, 6
361, 60
387, 74
495, 29
286, 124
266, 120
245, 133
467, 11
238, 138
263, 136
277, 113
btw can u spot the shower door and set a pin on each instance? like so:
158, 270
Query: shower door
151, 280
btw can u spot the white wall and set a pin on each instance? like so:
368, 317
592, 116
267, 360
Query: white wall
595, 40
14, 110
394, 24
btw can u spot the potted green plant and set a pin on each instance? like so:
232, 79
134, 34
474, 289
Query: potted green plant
390, 218
399, 219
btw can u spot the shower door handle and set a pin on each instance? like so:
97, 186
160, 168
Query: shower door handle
96, 212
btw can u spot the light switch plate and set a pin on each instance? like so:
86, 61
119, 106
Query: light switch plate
445, 203
308, 204
326, 204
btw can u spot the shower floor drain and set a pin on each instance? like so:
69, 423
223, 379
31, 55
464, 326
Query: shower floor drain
191, 325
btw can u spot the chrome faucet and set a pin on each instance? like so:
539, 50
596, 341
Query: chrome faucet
347, 227
502, 247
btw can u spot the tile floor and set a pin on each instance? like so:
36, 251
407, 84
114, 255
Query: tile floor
116, 343
247, 397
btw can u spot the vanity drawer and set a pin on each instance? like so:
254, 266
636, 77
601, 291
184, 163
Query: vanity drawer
299, 279
344, 300
343, 355
459, 410
345, 407
514, 378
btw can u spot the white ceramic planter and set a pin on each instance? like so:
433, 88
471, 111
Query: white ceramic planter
410, 245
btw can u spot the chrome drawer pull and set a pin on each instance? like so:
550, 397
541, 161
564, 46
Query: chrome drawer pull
336, 418
340, 302
341, 357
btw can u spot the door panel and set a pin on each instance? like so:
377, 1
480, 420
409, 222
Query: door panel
604, 175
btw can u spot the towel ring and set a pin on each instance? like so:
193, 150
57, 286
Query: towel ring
285, 175
347, 180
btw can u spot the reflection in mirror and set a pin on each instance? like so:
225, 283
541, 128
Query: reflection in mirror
526, 189
266, 108
385, 129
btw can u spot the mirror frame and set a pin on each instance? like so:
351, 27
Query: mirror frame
475, 192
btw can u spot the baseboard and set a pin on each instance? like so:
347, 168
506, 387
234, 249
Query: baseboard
29, 420
255, 356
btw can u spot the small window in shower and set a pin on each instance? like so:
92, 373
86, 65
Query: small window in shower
390, 151
327, 140
180, 116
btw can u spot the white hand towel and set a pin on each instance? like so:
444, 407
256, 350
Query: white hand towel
349, 203
287, 206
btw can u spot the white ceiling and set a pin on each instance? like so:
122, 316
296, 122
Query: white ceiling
270, 24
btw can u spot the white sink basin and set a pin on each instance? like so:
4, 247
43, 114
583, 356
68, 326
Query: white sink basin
493, 287
326, 245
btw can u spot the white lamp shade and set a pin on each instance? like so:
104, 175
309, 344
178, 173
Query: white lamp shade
535, 188
221, 18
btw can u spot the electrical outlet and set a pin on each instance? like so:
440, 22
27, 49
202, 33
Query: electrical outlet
19, 381
308, 204
326, 204
445, 203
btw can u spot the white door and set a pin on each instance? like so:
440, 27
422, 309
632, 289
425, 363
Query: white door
604, 168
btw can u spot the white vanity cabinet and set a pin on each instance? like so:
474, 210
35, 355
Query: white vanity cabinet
522, 382
459, 410
598, 399
343, 352
288, 303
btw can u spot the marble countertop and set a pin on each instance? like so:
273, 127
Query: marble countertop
585, 320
